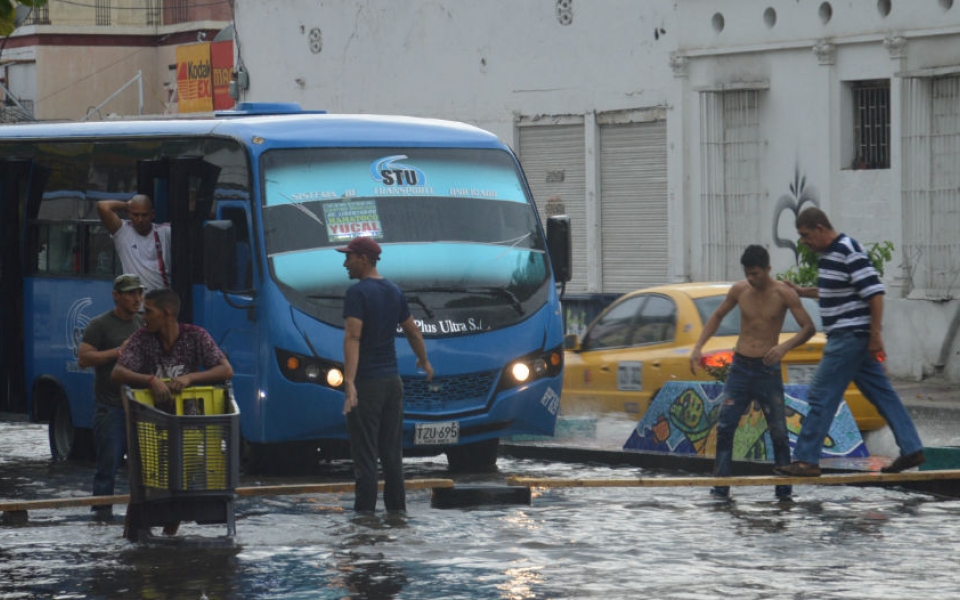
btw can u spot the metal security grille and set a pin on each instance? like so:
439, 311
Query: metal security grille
871, 128
154, 16
178, 11
633, 206
445, 394
102, 8
931, 186
39, 15
730, 194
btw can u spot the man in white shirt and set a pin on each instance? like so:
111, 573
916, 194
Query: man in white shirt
143, 246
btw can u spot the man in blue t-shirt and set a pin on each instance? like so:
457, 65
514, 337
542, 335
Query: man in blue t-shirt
372, 309
851, 307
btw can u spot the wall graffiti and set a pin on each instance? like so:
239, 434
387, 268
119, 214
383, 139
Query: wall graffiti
799, 197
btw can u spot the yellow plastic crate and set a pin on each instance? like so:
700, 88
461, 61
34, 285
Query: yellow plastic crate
203, 445
192, 401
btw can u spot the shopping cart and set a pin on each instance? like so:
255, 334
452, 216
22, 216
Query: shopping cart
183, 466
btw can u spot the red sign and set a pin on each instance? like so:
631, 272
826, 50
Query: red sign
221, 59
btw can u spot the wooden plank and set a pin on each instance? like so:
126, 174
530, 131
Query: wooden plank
23, 505
266, 490
333, 488
871, 478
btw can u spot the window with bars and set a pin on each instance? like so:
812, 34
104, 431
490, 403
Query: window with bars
931, 186
154, 16
731, 147
39, 16
102, 8
178, 11
871, 124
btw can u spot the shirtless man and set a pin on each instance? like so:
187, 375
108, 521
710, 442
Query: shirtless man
755, 372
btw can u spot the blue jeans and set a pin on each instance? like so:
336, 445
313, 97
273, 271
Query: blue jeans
375, 426
847, 358
110, 437
748, 380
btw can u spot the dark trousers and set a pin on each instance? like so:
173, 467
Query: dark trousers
748, 380
110, 437
375, 426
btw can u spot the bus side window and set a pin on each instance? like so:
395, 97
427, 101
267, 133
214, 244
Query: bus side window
56, 249
101, 256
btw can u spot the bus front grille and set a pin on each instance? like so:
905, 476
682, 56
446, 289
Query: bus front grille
445, 394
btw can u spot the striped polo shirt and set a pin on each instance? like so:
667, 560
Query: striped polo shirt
847, 280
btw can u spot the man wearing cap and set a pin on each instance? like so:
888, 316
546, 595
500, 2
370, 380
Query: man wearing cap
143, 246
373, 403
102, 340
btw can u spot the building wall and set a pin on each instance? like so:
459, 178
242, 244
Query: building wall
504, 65
808, 130
479, 62
102, 71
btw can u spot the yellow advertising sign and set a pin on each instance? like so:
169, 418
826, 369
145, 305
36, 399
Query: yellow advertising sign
194, 84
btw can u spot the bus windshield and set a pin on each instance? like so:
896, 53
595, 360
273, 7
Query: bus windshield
458, 231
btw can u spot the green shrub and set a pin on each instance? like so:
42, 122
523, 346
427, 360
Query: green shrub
805, 273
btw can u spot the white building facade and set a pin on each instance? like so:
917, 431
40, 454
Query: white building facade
675, 133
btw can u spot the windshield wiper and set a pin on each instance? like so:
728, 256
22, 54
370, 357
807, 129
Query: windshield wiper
325, 296
489, 290
417, 300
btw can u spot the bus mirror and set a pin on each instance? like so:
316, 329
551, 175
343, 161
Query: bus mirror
558, 246
219, 254
571, 341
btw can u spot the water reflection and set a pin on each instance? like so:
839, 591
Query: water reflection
831, 542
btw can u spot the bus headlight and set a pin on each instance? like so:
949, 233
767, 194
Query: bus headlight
310, 369
532, 367
520, 372
335, 378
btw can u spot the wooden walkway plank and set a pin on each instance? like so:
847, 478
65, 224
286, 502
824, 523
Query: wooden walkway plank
871, 478
333, 488
266, 490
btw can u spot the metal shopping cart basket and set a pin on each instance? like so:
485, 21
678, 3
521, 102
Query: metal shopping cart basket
183, 466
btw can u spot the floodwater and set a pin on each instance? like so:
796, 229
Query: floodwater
605, 543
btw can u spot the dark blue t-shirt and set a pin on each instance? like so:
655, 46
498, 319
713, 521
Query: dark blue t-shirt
381, 306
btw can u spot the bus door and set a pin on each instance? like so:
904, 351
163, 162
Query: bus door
182, 189
229, 297
14, 175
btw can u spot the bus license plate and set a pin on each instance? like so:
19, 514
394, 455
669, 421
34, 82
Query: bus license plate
801, 374
432, 434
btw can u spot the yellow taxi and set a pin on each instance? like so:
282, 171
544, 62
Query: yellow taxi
644, 339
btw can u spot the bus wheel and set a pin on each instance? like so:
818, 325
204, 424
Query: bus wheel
61, 432
479, 457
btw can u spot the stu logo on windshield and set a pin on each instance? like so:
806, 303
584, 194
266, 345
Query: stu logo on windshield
391, 172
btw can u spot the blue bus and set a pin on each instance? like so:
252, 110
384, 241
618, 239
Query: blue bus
258, 199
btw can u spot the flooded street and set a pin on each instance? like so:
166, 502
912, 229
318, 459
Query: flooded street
609, 543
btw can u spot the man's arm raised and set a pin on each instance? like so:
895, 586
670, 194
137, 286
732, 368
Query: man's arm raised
107, 211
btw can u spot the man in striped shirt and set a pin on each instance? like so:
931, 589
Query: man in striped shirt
851, 307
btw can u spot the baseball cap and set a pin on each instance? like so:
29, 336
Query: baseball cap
364, 245
128, 283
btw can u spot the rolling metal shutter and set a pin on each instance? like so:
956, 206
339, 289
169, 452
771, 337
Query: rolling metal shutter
553, 158
633, 205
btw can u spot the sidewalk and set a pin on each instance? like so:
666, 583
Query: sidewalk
933, 392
